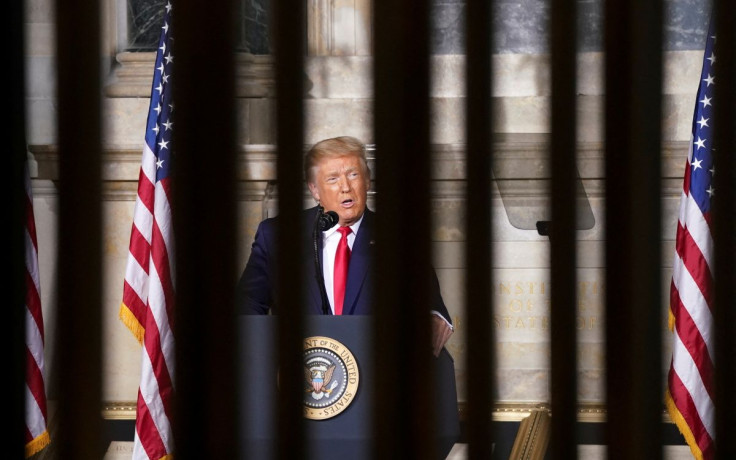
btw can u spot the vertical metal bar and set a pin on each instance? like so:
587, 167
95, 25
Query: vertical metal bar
724, 213
14, 282
290, 33
77, 364
401, 77
633, 45
480, 336
203, 183
563, 276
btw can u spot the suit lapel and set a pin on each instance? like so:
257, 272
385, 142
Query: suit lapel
360, 262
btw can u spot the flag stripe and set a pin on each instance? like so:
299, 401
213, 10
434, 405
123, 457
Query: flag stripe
34, 375
689, 413
33, 301
31, 230
34, 337
151, 445
689, 252
695, 345
163, 262
155, 402
158, 338
698, 226
133, 302
36, 435
143, 217
140, 249
686, 370
694, 304
146, 179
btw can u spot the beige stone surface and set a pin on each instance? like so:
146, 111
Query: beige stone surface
119, 450
338, 91
43, 112
338, 117
40, 37
339, 77
515, 75
339, 27
39, 11
258, 121
521, 324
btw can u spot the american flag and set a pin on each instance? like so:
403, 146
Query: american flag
37, 436
148, 291
690, 391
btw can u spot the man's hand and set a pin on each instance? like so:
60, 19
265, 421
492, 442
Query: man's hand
441, 332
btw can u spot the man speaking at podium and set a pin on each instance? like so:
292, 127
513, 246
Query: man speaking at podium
337, 173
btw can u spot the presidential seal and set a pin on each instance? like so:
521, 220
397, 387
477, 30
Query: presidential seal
331, 378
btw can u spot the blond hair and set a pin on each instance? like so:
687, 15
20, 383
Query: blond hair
331, 148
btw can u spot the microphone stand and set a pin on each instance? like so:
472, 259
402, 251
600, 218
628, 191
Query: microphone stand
317, 262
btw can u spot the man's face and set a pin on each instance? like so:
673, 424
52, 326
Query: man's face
341, 184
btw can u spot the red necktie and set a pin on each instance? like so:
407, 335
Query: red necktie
342, 260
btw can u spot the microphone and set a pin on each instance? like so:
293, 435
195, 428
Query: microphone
322, 222
327, 220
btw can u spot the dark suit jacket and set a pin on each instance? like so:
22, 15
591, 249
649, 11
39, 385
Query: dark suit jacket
256, 293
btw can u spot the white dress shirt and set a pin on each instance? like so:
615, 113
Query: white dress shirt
330, 239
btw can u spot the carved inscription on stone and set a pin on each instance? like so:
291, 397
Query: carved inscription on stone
525, 305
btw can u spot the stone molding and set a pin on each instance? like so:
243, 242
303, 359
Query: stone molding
132, 76
346, 76
520, 156
501, 412
121, 167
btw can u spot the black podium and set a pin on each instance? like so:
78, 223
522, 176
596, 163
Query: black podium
347, 434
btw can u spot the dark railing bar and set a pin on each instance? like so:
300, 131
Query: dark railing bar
563, 273
480, 336
203, 142
724, 229
634, 391
290, 33
77, 360
13, 340
404, 419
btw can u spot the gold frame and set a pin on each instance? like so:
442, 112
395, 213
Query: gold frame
502, 412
